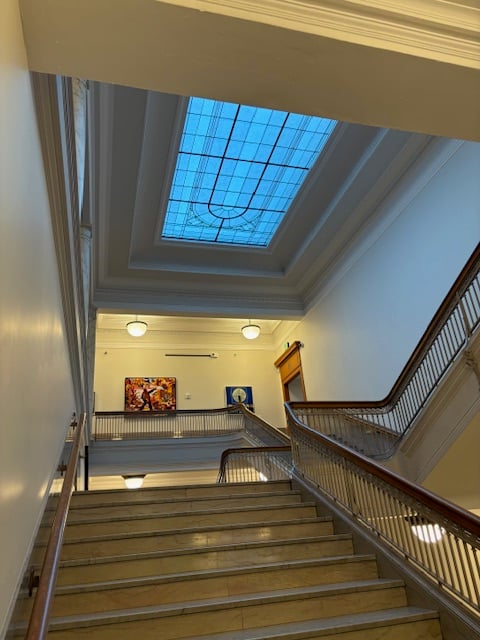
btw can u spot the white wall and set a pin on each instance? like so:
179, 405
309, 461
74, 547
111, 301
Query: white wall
204, 378
37, 398
358, 337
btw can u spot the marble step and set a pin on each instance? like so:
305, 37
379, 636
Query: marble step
176, 587
174, 493
107, 545
252, 611
406, 623
200, 559
181, 505
104, 525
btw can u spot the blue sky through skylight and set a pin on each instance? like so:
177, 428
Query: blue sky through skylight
238, 170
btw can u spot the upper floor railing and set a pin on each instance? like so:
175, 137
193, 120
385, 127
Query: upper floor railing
120, 425
437, 537
374, 428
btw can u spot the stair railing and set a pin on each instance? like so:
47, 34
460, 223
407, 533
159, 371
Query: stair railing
437, 537
374, 428
38, 624
121, 425
255, 464
271, 460
260, 431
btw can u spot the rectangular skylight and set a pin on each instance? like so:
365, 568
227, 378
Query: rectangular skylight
238, 170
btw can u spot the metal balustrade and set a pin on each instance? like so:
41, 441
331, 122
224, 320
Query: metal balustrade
119, 425
374, 428
437, 537
256, 464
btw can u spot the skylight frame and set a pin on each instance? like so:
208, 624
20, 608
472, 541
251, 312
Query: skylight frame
240, 173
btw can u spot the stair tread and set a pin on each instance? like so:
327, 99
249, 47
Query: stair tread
218, 487
220, 603
175, 500
207, 573
164, 553
326, 626
201, 529
151, 516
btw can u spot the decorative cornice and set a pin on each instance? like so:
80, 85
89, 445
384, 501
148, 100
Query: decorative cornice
433, 29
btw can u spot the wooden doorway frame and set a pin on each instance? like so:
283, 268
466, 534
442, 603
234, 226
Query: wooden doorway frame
290, 366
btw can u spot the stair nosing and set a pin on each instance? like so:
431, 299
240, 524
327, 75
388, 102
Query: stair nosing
218, 486
327, 626
133, 503
208, 528
151, 516
234, 546
213, 573
337, 624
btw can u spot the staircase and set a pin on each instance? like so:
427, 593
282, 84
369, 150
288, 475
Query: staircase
223, 562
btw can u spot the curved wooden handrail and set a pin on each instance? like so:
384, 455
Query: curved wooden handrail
438, 319
253, 416
246, 450
38, 624
456, 514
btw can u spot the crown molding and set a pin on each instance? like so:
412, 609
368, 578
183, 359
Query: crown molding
433, 29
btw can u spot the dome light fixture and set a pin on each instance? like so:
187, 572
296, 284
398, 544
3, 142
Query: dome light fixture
137, 327
134, 481
425, 530
251, 331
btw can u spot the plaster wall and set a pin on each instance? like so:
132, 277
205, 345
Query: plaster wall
359, 335
204, 379
34, 369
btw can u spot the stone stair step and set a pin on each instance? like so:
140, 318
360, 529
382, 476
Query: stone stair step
223, 562
412, 623
198, 559
144, 592
234, 613
183, 505
107, 545
174, 493
123, 524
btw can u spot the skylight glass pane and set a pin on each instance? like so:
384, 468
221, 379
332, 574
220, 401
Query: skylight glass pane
238, 170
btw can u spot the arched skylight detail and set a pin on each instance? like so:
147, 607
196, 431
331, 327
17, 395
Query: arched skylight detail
238, 170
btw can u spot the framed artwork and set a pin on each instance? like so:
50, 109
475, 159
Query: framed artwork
150, 394
239, 393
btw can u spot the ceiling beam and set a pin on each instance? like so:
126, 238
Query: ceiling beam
364, 62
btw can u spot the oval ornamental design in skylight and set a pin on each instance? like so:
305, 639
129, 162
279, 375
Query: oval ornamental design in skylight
238, 170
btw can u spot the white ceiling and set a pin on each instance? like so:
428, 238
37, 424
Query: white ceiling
134, 137
394, 68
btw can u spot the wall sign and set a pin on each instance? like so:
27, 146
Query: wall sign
239, 394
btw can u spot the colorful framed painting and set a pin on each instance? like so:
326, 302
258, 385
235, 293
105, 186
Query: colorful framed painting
150, 394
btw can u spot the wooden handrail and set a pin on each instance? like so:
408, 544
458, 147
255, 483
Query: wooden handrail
38, 624
253, 416
250, 450
438, 319
456, 514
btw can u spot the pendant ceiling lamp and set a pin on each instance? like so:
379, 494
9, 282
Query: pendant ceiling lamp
134, 481
251, 331
137, 328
